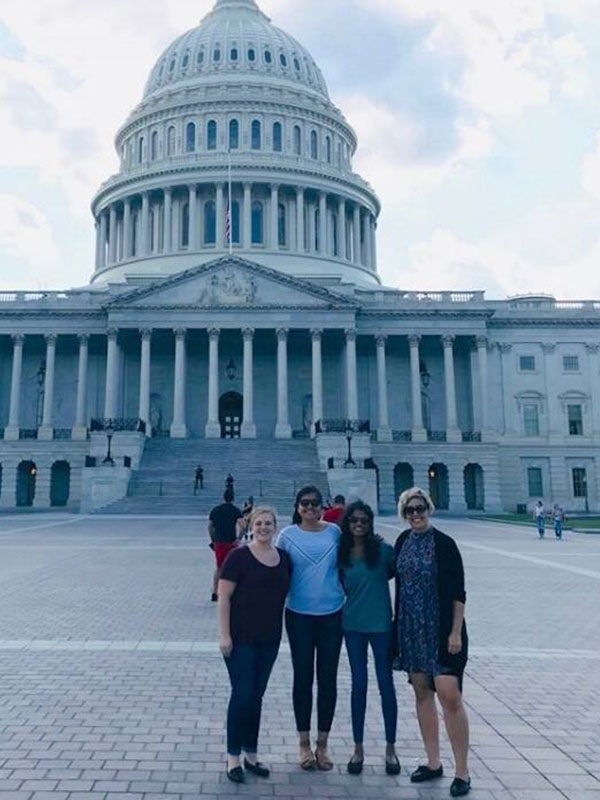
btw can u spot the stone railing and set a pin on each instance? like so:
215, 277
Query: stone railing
402, 436
51, 298
118, 425
28, 433
436, 436
399, 297
471, 436
62, 434
342, 426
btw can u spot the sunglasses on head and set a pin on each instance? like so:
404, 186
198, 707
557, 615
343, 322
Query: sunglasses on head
307, 502
410, 510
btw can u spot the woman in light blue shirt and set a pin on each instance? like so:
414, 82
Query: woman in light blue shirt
313, 619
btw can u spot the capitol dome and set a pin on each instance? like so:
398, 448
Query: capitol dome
236, 147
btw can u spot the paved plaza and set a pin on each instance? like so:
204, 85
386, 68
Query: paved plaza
111, 684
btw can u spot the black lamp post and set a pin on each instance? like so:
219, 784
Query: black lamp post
110, 432
585, 493
349, 462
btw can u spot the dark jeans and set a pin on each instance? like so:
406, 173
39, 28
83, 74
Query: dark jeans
357, 645
308, 635
249, 667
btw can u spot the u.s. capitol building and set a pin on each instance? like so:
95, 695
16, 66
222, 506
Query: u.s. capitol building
235, 319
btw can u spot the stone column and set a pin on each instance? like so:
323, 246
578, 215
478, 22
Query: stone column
556, 424
12, 430
323, 223
453, 434
317, 377
79, 431
366, 221
373, 244
103, 226
384, 432
341, 228
594, 375
97, 254
300, 219
248, 425
220, 217
126, 228
351, 375
357, 258
274, 216
482, 356
112, 380
192, 217
247, 216
167, 220
145, 361
213, 427
46, 431
283, 429
178, 426
112, 234
505, 349
419, 434
145, 225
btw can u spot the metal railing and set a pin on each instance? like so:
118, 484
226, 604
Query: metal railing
118, 425
342, 426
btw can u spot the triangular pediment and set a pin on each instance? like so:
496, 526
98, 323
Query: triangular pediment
231, 282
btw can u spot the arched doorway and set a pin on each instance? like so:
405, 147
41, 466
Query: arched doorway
60, 483
474, 487
404, 478
438, 486
26, 474
231, 409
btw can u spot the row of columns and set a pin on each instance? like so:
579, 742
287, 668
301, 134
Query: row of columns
213, 428
115, 235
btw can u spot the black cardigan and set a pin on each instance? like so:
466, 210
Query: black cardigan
451, 587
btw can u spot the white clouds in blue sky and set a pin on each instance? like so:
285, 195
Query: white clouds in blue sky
478, 127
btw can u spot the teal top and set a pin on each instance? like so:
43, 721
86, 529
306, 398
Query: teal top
368, 606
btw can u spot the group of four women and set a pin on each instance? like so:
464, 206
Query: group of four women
334, 585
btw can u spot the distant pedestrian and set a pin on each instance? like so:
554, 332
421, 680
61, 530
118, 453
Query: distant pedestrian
222, 529
538, 513
198, 479
229, 482
558, 517
252, 590
337, 510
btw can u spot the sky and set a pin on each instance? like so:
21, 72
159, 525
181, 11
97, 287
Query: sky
478, 127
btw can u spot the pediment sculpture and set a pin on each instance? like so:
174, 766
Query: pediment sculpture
228, 287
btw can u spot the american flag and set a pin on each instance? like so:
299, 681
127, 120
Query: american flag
227, 223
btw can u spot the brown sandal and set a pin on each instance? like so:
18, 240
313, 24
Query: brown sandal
307, 757
324, 763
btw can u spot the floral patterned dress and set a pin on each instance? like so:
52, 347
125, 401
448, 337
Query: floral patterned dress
418, 610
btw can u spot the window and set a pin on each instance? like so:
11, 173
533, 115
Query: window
234, 134
334, 231
251, 54
210, 222
317, 228
283, 60
211, 135
171, 140
216, 54
534, 482
579, 482
190, 137
235, 222
297, 140
256, 142
257, 223
186, 60
185, 225
172, 65
531, 420
200, 58
575, 416
527, 363
282, 226
314, 145
233, 55
571, 363
277, 137
140, 149
297, 65
328, 147
154, 146
268, 57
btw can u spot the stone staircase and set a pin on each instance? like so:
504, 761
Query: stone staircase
270, 470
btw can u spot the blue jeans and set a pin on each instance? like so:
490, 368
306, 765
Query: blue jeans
249, 667
558, 528
539, 521
357, 645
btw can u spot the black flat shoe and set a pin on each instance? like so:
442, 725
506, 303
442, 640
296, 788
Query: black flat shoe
460, 788
392, 767
257, 769
236, 775
424, 773
355, 767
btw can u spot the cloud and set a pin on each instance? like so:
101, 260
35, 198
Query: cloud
26, 236
590, 170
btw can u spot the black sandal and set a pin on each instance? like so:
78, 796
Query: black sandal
236, 774
460, 788
424, 773
355, 767
392, 767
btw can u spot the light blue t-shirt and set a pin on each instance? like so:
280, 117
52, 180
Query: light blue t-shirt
315, 587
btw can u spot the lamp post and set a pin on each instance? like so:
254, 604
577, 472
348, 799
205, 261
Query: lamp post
349, 462
585, 493
110, 432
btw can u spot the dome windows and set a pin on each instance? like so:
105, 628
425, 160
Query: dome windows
314, 145
154, 146
277, 137
172, 65
211, 135
171, 140
217, 54
234, 54
297, 140
268, 57
186, 60
256, 135
190, 137
328, 149
200, 58
140, 154
296, 65
283, 60
251, 54
234, 134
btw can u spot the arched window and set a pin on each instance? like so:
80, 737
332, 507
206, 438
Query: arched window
251, 54
314, 145
200, 58
171, 140
140, 149
135, 223
172, 64
283, 60
233, 54
334, 234
268, 57
234, 134
297, 65
297, 140
190, 137
257, 223
216, 54
328, 147
186, 60
185, 225
210, 222
256, 137
282, 225
154, 146
317, 229
211, 135
277, 137
235, 222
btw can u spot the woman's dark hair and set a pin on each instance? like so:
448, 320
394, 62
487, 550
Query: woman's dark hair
372, 540
296, 518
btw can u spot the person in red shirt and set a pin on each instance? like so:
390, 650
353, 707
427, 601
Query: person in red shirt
337, 510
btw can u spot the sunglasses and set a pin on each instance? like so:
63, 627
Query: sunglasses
410, 510
358, 520
308, 503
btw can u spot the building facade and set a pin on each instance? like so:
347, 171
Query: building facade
235, 295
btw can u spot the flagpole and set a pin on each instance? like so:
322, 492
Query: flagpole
230, 209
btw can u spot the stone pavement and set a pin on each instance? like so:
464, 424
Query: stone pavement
111, 685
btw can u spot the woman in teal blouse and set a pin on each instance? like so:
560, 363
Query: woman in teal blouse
366, 565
